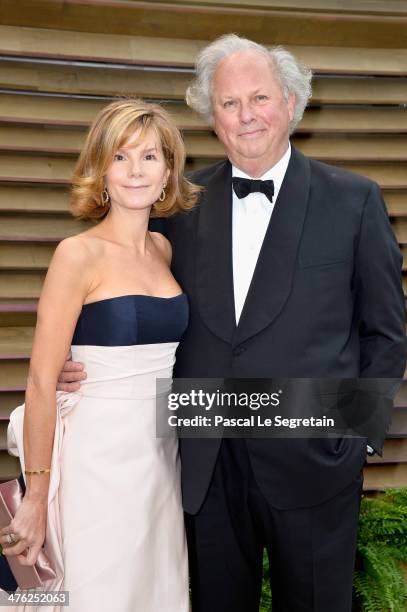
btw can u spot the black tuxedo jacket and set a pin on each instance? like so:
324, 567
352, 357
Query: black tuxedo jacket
325, 300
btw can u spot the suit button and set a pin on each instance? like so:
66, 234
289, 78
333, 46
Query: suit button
238, 350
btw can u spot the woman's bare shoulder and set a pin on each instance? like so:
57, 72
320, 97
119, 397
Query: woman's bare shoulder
163, 245
81, 248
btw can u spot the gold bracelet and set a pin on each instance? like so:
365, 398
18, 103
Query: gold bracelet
41, 471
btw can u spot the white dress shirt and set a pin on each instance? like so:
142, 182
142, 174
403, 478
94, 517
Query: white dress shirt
251, 216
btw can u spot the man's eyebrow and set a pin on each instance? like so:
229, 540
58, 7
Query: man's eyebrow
232, 97
262, 90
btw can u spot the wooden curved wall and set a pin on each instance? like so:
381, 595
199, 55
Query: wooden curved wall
61, 61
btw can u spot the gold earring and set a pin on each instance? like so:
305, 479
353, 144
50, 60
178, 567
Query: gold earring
163, 195
105, 197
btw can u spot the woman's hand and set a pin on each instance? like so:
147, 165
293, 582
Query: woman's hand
27, 529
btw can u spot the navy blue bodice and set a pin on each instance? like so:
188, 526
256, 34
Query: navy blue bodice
132, 319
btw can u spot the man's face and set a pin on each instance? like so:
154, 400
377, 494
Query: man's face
251, 116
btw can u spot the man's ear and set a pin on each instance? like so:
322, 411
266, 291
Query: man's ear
291, 103
213, 124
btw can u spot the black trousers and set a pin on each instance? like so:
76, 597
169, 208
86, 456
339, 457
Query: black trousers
311, 550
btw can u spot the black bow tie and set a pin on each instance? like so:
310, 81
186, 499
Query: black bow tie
243, 186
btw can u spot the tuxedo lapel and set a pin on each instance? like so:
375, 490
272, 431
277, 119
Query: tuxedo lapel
273, 275
214, 272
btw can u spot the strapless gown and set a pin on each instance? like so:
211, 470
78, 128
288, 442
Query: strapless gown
115, 529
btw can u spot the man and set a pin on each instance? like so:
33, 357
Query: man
293, 274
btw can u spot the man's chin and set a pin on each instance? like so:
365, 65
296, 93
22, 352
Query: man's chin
254, 152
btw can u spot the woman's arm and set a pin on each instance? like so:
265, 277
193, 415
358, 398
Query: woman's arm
65, 288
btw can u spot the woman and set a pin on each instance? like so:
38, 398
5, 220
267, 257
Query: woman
102, 490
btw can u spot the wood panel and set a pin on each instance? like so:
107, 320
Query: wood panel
9, 466
401, 397
264, 24
35, 168
389, 176
373, 7
351, 60
400, 227
16, 341
41, 139
380, 477
395, 451
13, 314
45, 109
55, 200
45, 77
396, 203
353, 148
79, 112
200, 144
39, 199
57, 170
8, 401
17, 286
368, 120
30, 256
106, 47
24, 227
3, 435
13, 374
398, 425
48, 43
330, 90
49, 110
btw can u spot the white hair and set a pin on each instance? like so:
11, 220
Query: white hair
293, 77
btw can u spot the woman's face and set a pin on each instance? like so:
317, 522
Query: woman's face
138, 172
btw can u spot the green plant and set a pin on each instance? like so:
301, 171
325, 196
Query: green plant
265, 604
379, 583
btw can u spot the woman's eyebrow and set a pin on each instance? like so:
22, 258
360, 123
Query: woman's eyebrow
124, 149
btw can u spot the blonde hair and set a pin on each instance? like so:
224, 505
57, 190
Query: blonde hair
111, 129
